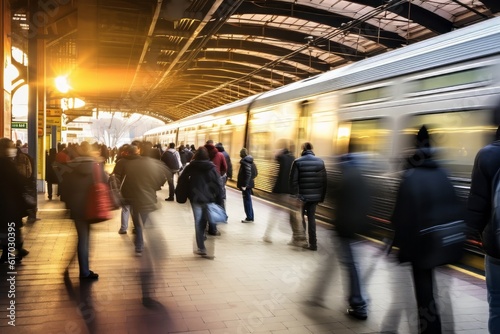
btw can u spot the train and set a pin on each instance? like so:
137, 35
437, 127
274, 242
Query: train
450, 83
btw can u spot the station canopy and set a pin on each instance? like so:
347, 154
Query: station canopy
172, 59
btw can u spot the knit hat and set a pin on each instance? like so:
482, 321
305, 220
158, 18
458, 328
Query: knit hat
243, 152
423, 138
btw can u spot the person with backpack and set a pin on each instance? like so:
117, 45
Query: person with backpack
483, 224
172, 160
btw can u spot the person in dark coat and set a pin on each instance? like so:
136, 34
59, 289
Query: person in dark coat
12, 204
425, 197
50, 173
246, 175
352, 200
201, 184
285, 159
478, 219
142, 177
77, 179
308, 183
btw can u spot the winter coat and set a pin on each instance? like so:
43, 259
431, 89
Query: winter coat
478, 216
426, 197
77, 178
217, 158
12, 204
50, 173
200, 182
285, 160
143, 177
247, 173
308, 178
352, 198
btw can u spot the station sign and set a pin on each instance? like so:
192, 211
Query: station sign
19, 125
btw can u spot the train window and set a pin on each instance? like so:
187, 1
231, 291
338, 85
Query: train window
367, 95
456, 137
369, 136
454, 80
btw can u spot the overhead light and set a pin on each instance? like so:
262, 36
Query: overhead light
62, 84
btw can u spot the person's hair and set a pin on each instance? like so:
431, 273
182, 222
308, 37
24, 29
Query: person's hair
171, 145
201, 154
210, 142
307, 146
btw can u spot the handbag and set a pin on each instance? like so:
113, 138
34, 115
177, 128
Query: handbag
215, 213
115, 186
440, 244
99, 203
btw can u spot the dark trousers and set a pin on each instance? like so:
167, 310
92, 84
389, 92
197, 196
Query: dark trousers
309, 210
429, 321
247, 203
346, 258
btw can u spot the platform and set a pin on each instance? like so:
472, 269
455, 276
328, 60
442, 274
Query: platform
249, 286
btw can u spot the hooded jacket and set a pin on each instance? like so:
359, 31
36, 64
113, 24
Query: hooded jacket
77, 178
479, 204
425, 198
200, 182
247, 173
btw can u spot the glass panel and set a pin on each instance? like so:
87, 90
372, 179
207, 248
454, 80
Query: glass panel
451, 80
457, 137
366, 95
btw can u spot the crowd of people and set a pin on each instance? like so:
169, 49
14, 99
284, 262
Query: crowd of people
425, 198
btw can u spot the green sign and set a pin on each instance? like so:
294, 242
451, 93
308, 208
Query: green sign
19, 125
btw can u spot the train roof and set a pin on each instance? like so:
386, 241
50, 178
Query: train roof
476, 41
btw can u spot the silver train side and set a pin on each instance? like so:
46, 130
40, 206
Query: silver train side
450, 83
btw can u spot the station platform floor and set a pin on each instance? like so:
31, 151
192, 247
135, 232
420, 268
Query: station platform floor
245, 286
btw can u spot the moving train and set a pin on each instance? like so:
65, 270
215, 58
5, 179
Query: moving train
449, 83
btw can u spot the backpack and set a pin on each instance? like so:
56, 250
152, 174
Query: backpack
491, 233
171, 161
23, 165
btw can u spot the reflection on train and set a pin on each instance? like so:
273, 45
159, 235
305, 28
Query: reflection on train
448, 83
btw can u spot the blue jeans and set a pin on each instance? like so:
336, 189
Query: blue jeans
125, 217
492, 268
139, 219
83, 233
247, 203
200, 223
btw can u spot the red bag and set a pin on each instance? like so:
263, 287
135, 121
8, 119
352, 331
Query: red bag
99, 203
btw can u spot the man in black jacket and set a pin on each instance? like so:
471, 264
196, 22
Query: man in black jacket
308, 183
478, 218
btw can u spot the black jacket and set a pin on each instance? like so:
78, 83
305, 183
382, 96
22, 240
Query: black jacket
479, 204
352, 198
426, 197
247, 173
12, 204
308, 178
285, 160
200, 182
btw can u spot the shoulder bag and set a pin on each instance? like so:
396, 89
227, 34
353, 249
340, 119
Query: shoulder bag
215, 213
99, 202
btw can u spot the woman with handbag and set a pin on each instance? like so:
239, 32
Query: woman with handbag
77, 181
426, 198
201, 183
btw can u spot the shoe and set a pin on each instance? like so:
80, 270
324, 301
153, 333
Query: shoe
201, 252
360, 315
138, 253
170, 199
298, 243
50, 198
267, 239
216, 233
91, 275
122, 231
151, 303
310, 247
247, 221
